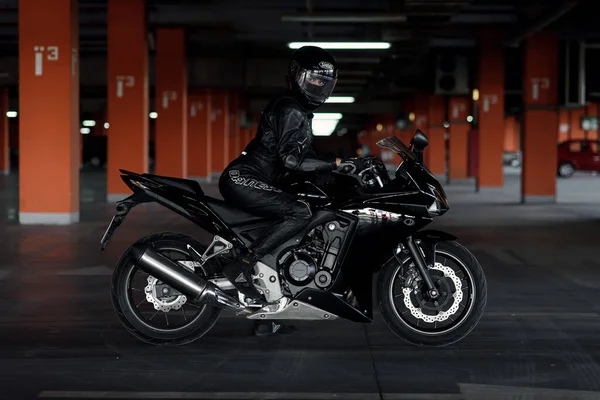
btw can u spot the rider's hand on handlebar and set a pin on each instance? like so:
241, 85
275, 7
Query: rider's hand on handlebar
351, 165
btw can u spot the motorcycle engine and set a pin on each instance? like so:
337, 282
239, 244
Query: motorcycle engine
298, 267
312, 265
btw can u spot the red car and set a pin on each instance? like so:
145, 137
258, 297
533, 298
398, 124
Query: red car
578, 155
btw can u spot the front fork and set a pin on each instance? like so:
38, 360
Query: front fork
413, 245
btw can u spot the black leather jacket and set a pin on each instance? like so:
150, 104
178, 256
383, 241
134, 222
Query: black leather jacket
283, 141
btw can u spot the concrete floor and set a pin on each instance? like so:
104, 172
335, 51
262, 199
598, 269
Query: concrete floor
538, 339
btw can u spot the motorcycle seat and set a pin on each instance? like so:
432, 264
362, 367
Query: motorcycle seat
230, 214
186, 185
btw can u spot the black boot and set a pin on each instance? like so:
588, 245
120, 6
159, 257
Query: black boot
272, 327
239, 273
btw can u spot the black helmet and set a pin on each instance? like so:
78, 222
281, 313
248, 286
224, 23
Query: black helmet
312, 75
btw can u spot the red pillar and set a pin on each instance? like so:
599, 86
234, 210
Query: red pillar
540, 117
234, 126
171, 103
4, 133
199, 135
219, 133
490, 173
127, 113
458, 147
564, 125
591, 110
49, 148
435, 153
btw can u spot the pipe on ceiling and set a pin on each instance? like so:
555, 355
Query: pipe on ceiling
540, 25
344, 17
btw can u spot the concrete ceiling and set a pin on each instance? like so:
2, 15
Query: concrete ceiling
417, 29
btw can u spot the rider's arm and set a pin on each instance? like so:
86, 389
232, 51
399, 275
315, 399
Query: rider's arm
294, 145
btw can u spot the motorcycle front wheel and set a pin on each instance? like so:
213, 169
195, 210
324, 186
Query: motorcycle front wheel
415, 318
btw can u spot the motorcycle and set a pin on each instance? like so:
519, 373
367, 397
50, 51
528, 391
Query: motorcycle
366, 225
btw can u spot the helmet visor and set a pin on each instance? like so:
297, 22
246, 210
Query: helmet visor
315, 85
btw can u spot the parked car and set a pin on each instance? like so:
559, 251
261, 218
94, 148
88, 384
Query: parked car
512, 158
578, 155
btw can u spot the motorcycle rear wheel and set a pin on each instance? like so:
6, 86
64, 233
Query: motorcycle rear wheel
421, 322
126, 308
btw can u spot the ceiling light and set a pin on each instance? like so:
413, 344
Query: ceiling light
343, 45
84, 131
106, 125
11, 114
88, 122
153, 115
324, 127
327, 116
470, 118
340, 99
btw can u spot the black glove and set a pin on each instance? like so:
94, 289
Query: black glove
351, 165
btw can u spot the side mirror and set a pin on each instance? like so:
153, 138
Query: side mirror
420, 141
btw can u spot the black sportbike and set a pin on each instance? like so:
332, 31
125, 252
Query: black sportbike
168, 288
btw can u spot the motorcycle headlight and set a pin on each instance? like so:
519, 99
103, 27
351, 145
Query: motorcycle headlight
440, 204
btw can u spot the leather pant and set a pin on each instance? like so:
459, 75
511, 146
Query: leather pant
245, 186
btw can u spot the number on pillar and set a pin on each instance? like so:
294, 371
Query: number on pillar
537, 84
51, 53
167, 96
124, 81
458, 109
195, 108
489, 99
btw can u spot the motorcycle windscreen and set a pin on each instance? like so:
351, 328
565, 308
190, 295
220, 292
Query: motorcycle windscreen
394, 144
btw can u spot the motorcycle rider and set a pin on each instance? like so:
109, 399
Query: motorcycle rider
283, 142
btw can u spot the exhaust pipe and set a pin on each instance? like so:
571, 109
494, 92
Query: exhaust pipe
197, 288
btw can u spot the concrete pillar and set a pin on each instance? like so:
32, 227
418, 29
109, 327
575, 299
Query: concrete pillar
435, 154
199, 135
127, 108
490, 173
540, 116
171, 103
459, 108
49, 136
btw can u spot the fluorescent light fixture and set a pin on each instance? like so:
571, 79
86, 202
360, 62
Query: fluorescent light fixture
153, 115
343, 45
106, 125
88, 122
327, 116
340, 99
11, 114
85, 131
324, 127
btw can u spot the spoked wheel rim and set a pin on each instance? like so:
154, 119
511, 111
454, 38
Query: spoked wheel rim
456, 286
174, 313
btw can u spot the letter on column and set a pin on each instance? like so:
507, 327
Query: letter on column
540, 127
199, 135
49, 112
171, 103
491, 111
127, 115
